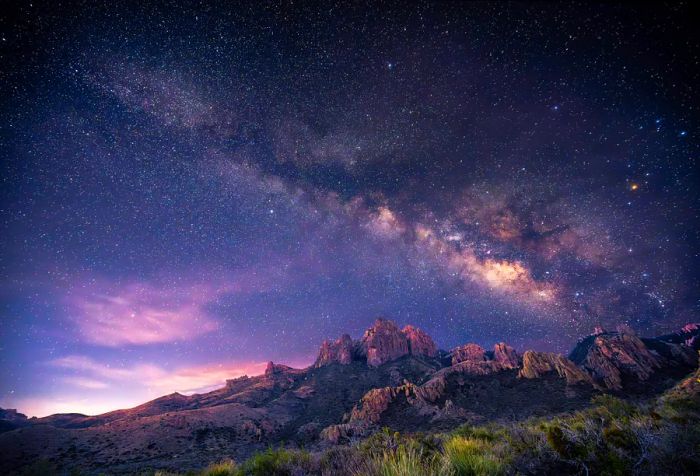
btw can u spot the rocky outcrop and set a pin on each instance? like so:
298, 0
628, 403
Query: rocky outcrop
338, 352
408, 394
10, 414
377, 401
616, 358
691, 335
688, 336
538, 364
344, 432
383, 342
468, 352
419, 342
506, 356
610, 357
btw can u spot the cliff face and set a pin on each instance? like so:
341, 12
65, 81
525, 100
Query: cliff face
539, 364
506, 356
419, 342
615, 357
688, 336
381, 343
468, 352
390, 377
339, 352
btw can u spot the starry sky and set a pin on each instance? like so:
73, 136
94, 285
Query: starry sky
192, 189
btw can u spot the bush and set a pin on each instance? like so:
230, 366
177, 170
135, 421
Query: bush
402, 462
485, 433
342, 460
468, 456
223, 468
619, 437
614, 407
280, 462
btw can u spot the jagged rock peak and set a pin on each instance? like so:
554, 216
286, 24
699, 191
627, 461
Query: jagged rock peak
383, 342
11, 414
339, 351
419, 342
274, 369
468, 352
612, 356
538, 364
688, 335
506, 355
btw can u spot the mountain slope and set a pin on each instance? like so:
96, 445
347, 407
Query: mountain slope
390, 377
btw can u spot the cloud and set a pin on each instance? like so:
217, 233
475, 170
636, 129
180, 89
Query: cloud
40, 407
158, 380
84, 382
88, 386
141, 313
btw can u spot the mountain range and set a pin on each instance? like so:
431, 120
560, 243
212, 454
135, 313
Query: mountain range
391, 377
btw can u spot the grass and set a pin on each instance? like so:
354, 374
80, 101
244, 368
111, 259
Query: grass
402, 462
223, 468
471, 457
611, 437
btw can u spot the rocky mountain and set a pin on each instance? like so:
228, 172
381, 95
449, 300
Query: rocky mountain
11, 419
389, 377
614, 359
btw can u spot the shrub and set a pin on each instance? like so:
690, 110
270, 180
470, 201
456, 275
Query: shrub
222, 468
468, 456
280, 462
402, 462
485, 433
570, 444
615, 407
619, 437
378, 443
342, 460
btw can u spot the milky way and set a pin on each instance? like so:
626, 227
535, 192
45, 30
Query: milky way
191, 191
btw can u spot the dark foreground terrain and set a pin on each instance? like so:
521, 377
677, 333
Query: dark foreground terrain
392, 403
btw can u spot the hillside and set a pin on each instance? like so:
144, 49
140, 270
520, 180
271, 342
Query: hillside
390, 377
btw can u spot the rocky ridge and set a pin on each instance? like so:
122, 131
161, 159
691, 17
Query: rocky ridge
391, 376
383, 342
602, 360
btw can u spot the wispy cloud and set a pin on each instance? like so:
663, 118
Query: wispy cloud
89, 386
158, 379
141, 313
84, 382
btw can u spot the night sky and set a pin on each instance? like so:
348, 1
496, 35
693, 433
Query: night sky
188, 192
